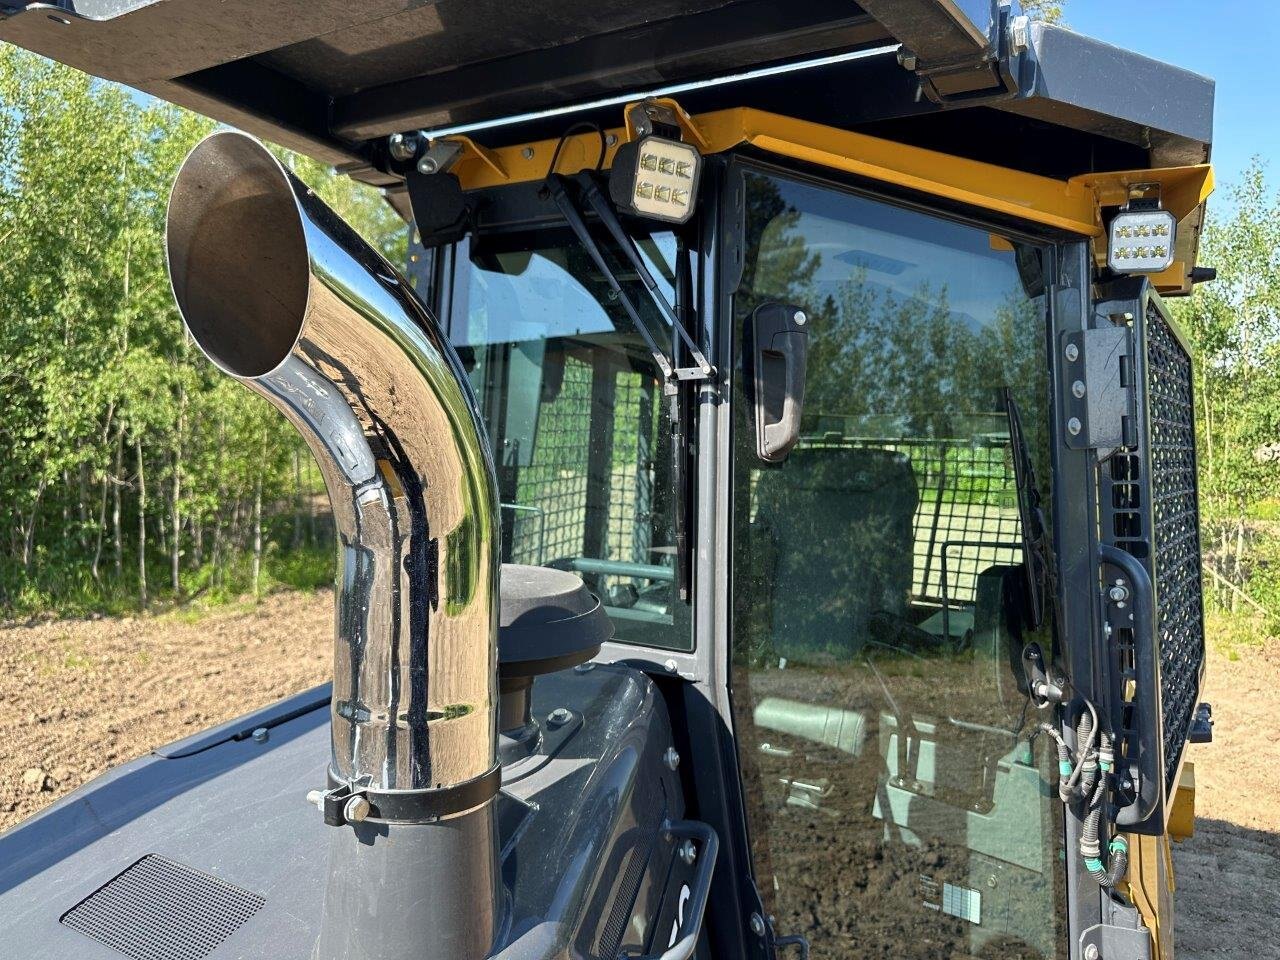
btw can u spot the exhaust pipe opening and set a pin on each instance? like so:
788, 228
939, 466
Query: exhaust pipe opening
238, 255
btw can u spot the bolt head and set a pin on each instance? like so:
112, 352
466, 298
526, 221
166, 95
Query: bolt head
671, 758
261, 735
584, 667
559, 716
1091, 952
671, 666
1077, 389
611, 140
1073, 352
1074, 426
1118, 594
757, 925
427, 165
800, 318
316, 798
527, 153
402, 146
688, 853
355, 809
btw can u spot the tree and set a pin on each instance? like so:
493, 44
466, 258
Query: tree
121, 440
1050, 11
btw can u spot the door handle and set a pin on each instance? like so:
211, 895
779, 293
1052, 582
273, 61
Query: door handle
779, 354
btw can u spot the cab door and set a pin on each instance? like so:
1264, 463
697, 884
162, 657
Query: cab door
899, 802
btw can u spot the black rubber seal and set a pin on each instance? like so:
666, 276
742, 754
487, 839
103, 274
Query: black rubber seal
421, 806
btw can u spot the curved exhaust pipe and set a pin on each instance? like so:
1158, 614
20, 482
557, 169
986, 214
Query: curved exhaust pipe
284, 296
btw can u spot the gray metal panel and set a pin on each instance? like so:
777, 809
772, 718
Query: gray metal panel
236, 810
1079, 82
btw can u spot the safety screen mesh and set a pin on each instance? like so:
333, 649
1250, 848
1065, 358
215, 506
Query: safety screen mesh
160, 910
554, 506
1175, 535
966, 517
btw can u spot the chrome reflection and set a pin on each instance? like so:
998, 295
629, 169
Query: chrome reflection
280, 293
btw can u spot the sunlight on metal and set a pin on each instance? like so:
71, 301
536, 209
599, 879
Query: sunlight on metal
1073, 205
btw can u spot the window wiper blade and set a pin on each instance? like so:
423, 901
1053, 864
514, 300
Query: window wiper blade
1030, 515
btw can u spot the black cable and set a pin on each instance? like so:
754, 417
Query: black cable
581, 127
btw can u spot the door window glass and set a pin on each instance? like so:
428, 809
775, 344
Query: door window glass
899, 803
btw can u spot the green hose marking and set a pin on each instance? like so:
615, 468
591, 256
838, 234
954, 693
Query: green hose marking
1064, 768
1106, 767
1118, 845
1092, 864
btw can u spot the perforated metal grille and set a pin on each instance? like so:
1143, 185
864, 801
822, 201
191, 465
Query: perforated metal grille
161, 910
1175, 534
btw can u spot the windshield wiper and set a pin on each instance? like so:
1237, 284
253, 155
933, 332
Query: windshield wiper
1030, 515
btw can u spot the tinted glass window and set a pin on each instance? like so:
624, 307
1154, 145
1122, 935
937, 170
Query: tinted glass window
900, 803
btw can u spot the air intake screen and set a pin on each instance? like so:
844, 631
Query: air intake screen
1176, 535
161, 910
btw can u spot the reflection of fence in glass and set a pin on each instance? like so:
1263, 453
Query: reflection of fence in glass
549, 515
966, 519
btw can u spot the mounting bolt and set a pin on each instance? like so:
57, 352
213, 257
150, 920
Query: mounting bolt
757, 925
1074, 426
1073, 352
1118, 594
671, 758
906, 59
316, 798
1091, 952
355, 809
559, 716
800, 318
402, 146
688, 853
610, 139
260, 735
1077, 389
671, 666
1020, 35
527, 153
428, 165
584, 667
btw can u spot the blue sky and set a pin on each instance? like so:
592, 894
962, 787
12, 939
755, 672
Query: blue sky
1235, 42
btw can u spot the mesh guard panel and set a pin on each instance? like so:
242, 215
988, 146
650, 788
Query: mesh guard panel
161, 910
1175, 536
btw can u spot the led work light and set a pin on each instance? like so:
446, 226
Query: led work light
657, 178
1141, 241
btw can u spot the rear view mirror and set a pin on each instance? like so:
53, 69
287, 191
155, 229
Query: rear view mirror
779, 345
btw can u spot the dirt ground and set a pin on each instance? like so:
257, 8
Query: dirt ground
77, 697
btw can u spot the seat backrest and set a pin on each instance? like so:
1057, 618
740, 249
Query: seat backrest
837, 524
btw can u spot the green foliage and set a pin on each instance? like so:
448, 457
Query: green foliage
132, 467
1049, 11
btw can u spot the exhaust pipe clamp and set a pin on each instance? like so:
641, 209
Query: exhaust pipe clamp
408, 806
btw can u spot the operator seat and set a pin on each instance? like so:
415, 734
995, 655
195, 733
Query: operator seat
832, 540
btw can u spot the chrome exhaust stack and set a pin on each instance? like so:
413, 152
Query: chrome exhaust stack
284, 296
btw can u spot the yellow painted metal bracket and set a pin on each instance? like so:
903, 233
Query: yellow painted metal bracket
1073, 205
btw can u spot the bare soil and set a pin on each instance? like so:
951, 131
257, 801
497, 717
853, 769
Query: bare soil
78, 697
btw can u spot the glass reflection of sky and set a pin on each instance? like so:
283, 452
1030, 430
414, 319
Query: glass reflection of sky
898, 252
